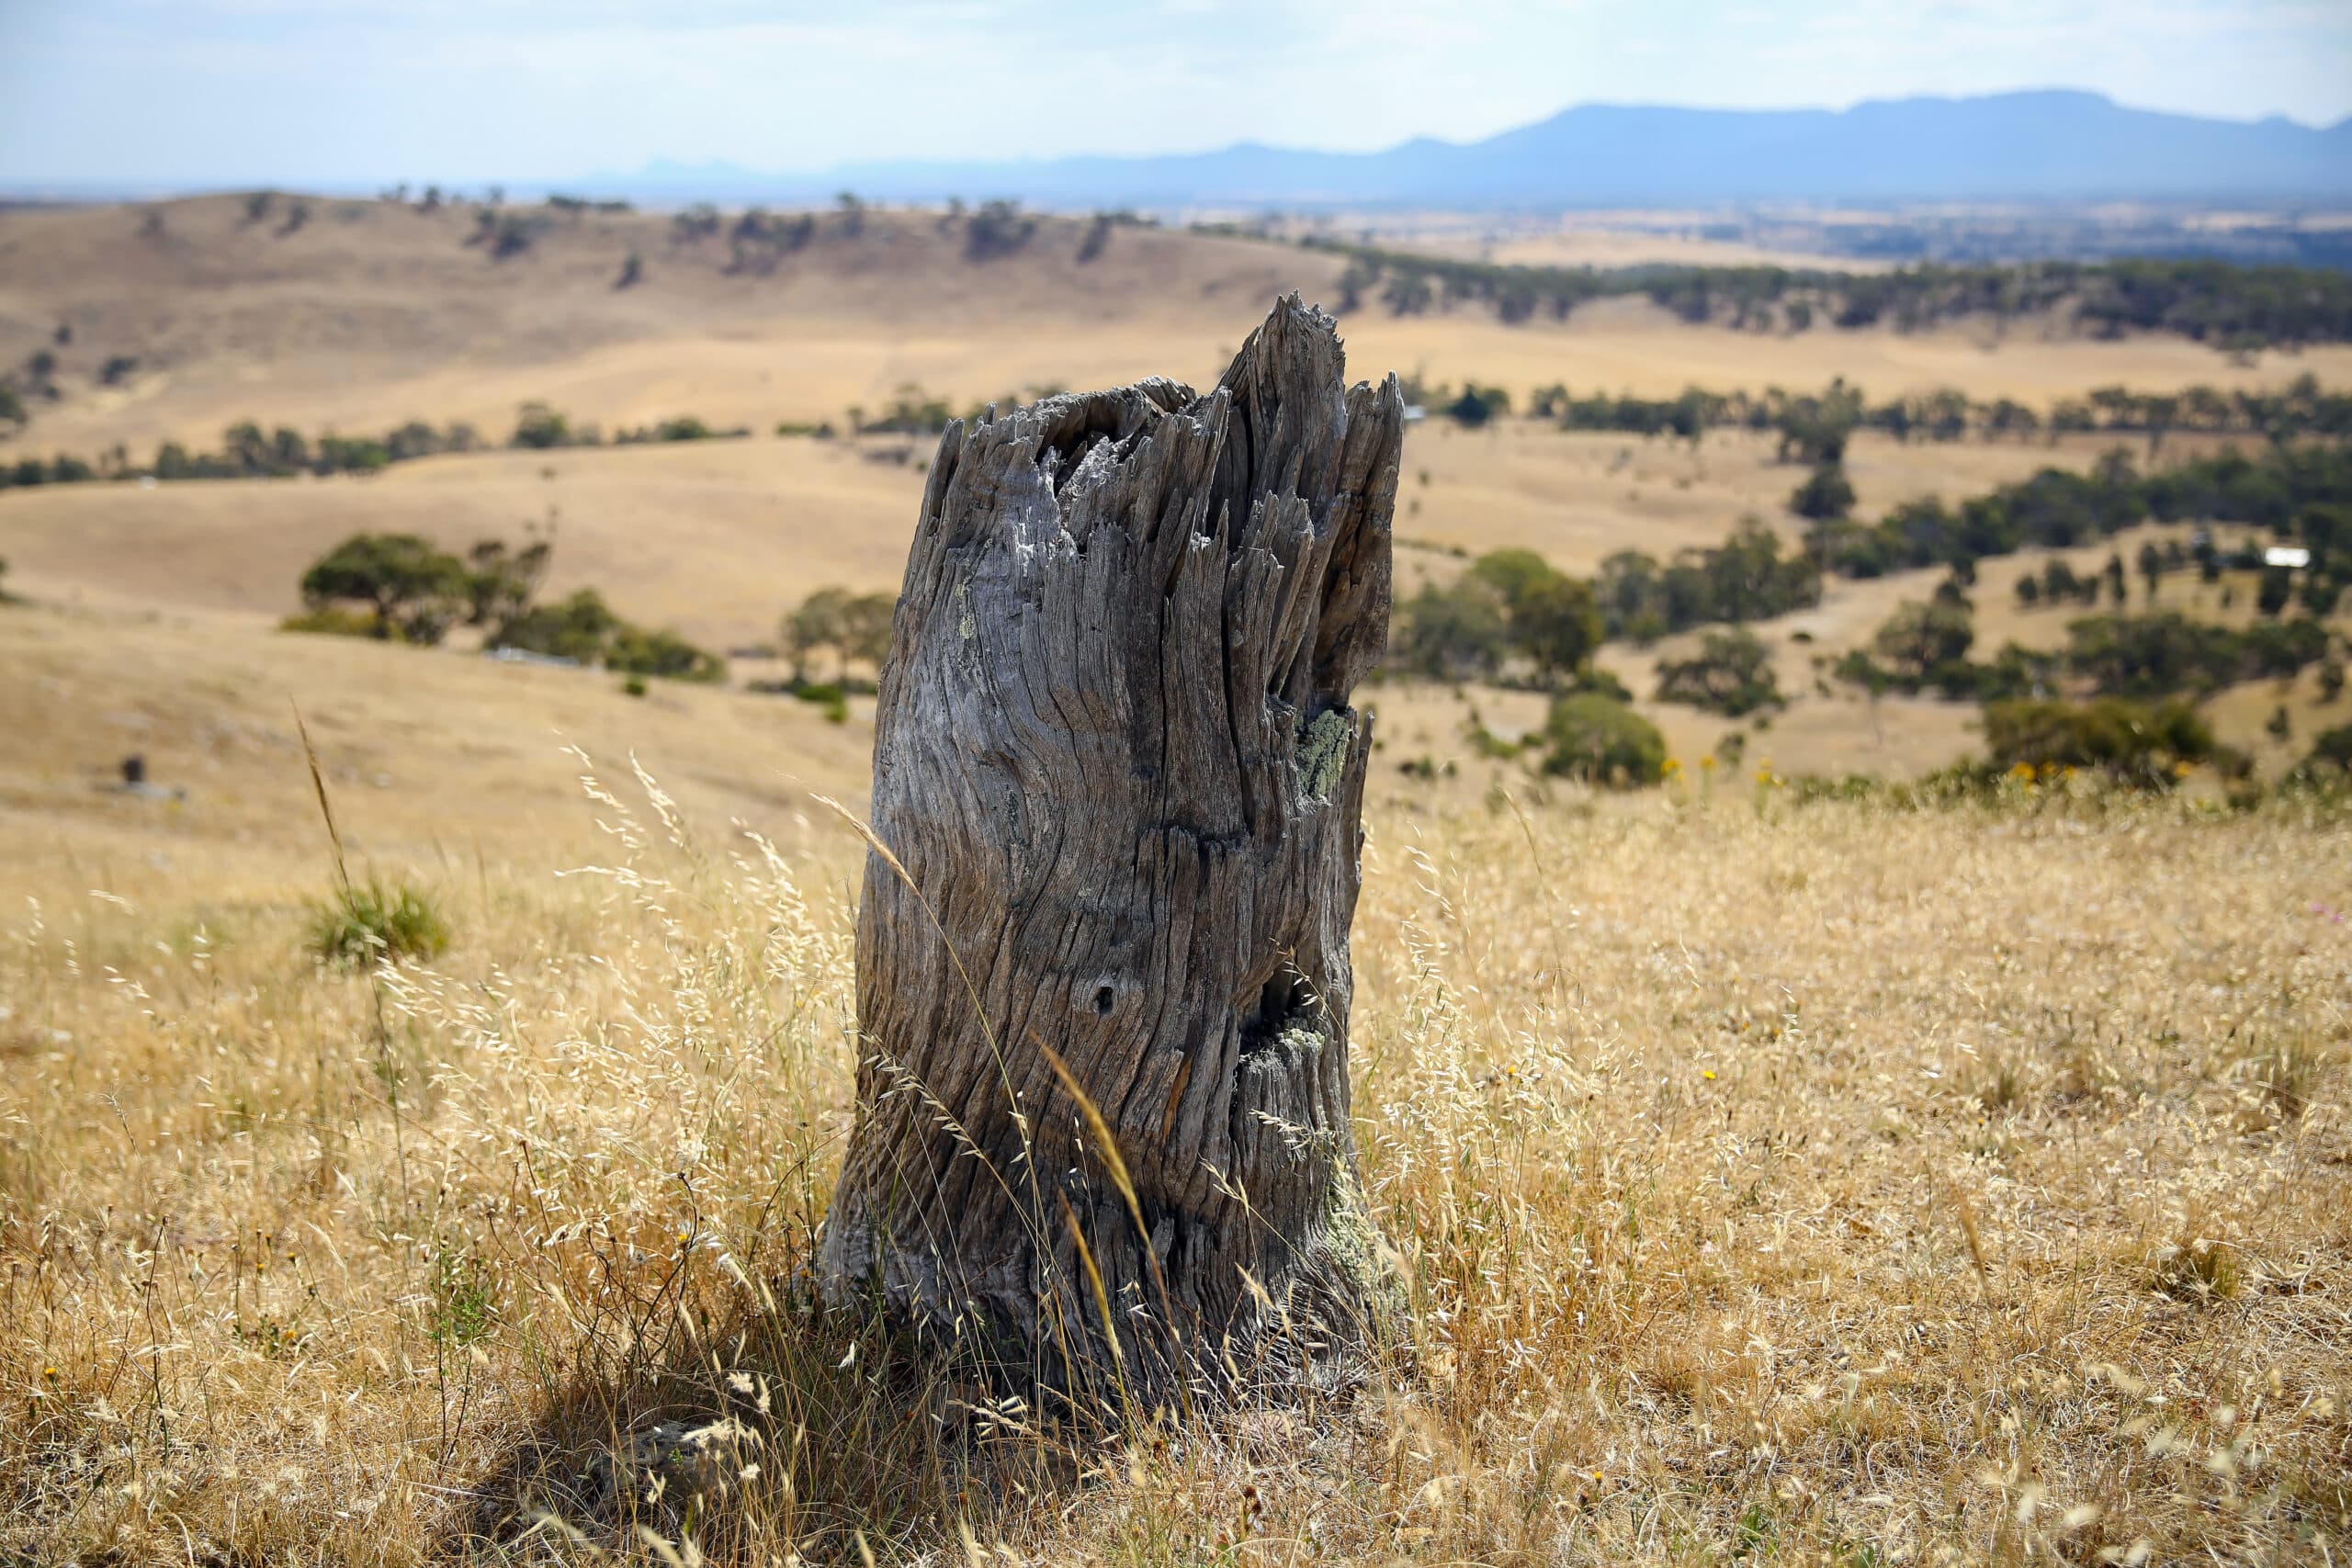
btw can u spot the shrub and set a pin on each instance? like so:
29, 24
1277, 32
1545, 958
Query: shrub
663, 652
1593, 678
1601, 740
2332, 748
911, 411
2145, 745
507, 234
365, 923
577, 628
586, 630
338, 620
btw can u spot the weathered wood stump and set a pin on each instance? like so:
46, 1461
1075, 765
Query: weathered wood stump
1115, 763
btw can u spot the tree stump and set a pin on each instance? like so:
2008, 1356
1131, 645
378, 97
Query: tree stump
1121, 792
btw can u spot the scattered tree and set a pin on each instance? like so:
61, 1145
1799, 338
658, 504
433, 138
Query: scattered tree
1548, 617
541, 428
1826, 494
1597, 739
1919, 640
503, 582
997, 229
414, 588
1730, 674
1096, 239
1453, 633
1477, 405
2276, 586
855, 626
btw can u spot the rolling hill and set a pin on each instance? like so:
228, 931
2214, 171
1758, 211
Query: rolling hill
354, 316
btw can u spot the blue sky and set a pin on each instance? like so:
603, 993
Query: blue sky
360, 92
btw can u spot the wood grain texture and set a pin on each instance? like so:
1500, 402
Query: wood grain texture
1115, 759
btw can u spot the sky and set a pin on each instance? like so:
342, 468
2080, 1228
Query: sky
174, 94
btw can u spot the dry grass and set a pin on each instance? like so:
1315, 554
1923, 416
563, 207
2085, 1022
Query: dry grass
1809, 1183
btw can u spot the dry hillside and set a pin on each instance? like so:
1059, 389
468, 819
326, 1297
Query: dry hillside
366, 313
718, 536
1812, 1183
372, 312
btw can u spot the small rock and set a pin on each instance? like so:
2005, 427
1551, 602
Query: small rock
672, 1460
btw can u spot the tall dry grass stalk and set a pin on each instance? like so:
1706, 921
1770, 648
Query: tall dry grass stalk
1821, 1183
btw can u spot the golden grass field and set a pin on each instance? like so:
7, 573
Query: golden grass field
1776, 1181
1823, 1183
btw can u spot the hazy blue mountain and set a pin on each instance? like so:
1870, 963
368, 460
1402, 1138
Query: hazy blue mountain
2012, 146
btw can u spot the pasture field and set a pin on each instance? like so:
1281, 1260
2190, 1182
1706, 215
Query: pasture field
1807, 1181
370, 313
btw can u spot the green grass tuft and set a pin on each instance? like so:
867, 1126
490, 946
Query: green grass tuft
366, 922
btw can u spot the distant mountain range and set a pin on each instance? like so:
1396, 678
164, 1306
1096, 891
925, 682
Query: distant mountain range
2028, 146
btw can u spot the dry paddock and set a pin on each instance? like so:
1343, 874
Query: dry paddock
1771, 1181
